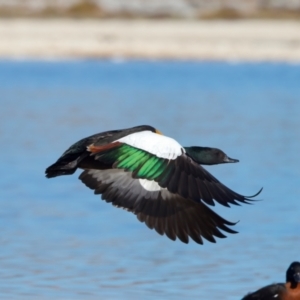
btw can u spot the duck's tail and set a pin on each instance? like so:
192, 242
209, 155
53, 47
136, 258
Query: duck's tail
65, 165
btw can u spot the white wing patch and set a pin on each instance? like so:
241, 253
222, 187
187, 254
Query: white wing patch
159, 145
150, 185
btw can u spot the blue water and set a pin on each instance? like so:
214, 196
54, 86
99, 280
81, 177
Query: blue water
59, 241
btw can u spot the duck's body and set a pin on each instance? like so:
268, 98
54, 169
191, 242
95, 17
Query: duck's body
281, 291
154, 177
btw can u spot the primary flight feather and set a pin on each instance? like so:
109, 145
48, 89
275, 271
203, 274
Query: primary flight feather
155, 178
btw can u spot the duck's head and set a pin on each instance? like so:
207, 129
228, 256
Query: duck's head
208, 156
293, 273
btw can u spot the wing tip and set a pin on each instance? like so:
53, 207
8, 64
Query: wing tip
250, 197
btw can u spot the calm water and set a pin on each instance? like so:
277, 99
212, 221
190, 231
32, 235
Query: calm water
59, 241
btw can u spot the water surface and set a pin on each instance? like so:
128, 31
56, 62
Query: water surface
59, 241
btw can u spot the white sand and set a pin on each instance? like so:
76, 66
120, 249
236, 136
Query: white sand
210, 40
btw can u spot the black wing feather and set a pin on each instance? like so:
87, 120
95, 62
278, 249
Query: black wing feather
181, 175
161, 210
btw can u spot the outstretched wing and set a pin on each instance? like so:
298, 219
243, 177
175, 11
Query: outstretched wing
166, 212
180, 176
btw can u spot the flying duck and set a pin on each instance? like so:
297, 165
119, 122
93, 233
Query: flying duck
154, 177
281, 291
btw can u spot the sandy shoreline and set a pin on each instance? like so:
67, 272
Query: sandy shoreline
145, 39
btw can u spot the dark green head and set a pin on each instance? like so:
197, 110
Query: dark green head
208, 156
293, 273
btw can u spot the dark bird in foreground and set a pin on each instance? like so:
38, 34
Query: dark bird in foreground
154, 177
281, 291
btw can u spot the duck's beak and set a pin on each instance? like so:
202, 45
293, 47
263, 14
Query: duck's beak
230, 160
297, 277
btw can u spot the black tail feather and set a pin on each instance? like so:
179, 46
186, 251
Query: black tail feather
65, 165
57, 170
